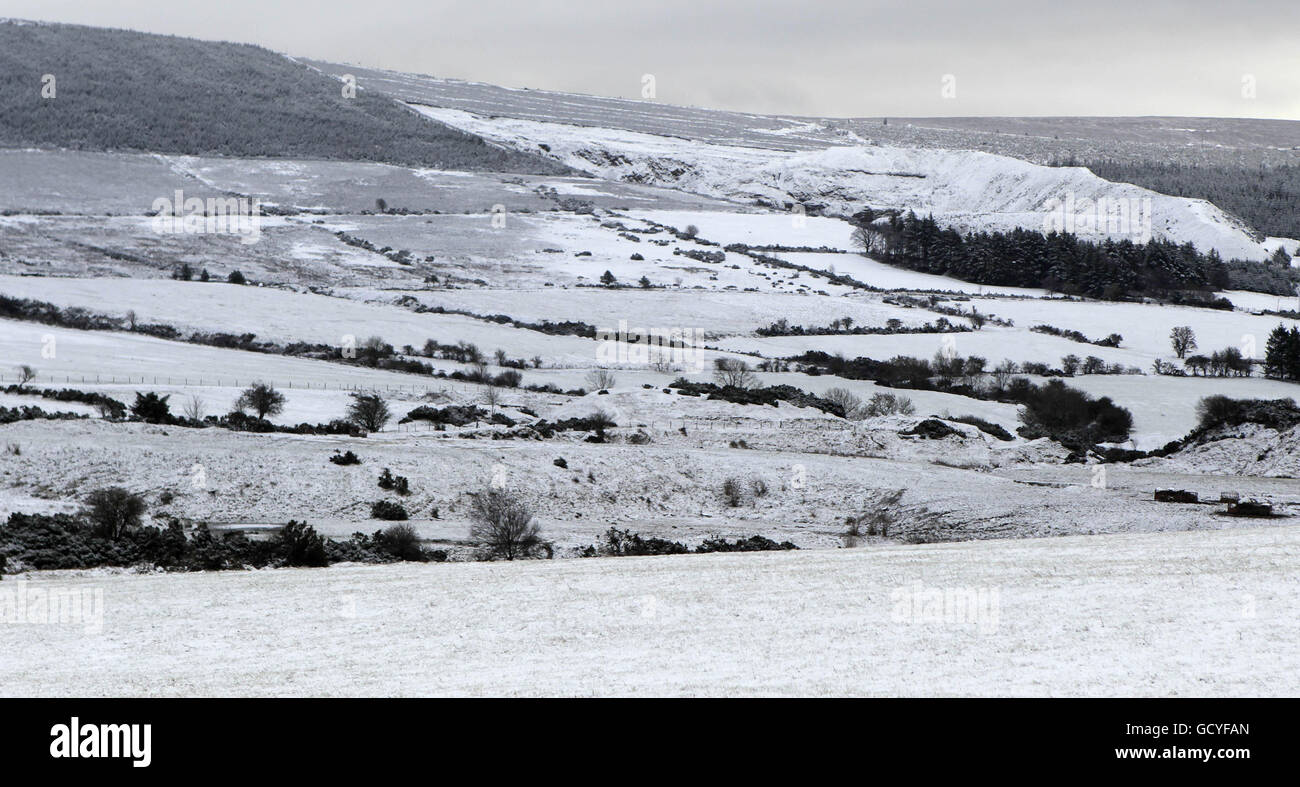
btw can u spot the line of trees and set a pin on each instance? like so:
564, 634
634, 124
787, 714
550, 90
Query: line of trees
1061, 262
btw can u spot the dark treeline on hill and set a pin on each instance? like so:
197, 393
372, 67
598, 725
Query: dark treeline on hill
1060, 262
1265, 197
128, 91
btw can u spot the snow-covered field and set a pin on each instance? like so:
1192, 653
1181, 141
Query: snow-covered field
1173, 614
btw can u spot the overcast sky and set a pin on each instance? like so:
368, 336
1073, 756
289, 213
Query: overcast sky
834, 57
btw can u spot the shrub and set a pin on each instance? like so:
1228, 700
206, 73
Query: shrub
846, 400
987, 427
262, 399
622, 543
876, 520
508, 379
398, 484
348, 458
113, 510
733, 491
931, 429
601, 379
152, 408
301, 545
402, 542
1218, 410
751, 544
1072, 417
25, 375
388, 510
502, 522
451, 415
369, 411
883, 404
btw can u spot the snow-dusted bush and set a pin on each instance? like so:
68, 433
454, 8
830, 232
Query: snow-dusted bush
388, 510
503, 524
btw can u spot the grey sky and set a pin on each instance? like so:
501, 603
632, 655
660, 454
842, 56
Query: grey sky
836, 57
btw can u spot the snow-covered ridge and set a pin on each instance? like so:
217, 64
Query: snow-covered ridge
968, 190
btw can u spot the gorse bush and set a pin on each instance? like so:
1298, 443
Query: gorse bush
1216, 411
402, 542
1072, 417
388, 510
398, 483
62, 541
151, 407
623, 543
301, 545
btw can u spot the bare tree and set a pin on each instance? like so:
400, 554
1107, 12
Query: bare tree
1183, 340
491, 396
1003, 373
601, 379
194, 408
369, 411
503, 523
733, 373
848, 401
882, 404
25, 375
869, 241
131, 319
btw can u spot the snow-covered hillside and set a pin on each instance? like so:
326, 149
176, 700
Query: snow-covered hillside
969, 190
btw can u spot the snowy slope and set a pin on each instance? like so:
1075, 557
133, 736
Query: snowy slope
967, 189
